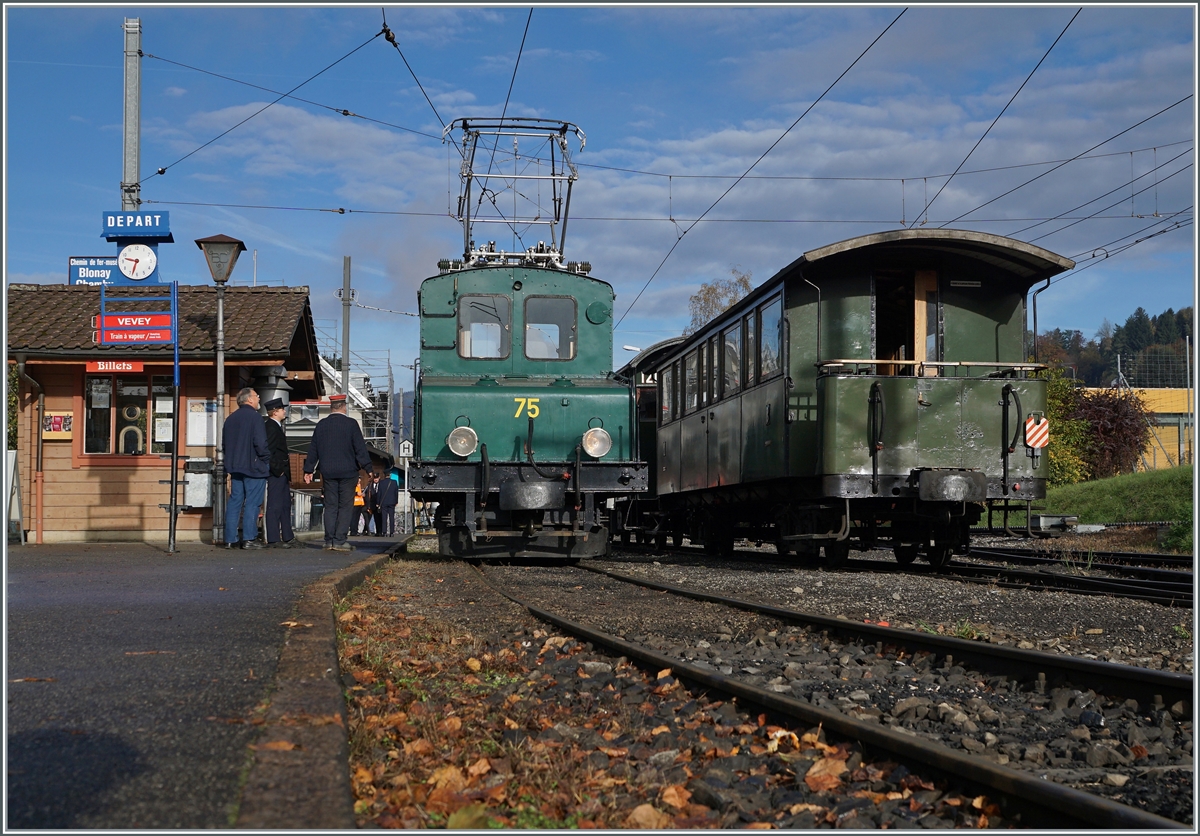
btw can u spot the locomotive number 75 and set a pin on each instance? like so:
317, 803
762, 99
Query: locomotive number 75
529, 405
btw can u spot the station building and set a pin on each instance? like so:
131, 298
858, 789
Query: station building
96, 423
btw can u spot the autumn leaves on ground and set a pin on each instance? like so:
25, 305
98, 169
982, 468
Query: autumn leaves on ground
526, 729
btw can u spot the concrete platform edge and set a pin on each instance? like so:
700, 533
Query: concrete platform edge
299, 774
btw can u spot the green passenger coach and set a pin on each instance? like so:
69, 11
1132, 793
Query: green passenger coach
522, 431
874, 392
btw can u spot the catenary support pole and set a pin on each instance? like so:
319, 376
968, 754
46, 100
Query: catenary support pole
131, 189
346, 302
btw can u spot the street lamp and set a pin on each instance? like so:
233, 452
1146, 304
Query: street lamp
221, 252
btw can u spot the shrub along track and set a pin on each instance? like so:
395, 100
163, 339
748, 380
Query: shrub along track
625, 749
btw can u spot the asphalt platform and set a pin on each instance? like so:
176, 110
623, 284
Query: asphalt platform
194, 690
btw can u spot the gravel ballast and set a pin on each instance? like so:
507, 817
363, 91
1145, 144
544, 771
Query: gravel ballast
1135, 754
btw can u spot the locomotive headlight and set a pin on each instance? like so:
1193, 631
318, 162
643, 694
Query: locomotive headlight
462, 441
596, 442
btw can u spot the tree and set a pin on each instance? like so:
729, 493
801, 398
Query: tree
1137, 334
712, 298
1068, 435
1118, 430
1166, 328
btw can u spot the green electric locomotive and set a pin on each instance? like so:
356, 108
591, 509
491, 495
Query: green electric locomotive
875, 392
522, 434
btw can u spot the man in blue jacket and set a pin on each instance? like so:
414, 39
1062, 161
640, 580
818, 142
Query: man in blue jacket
340, 450
248, 463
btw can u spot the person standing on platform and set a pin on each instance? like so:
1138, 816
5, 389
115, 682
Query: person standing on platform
278, 521
387, 494
247, 461
340, 450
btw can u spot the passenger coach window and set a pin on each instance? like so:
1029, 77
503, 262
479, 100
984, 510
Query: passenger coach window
731, 360
691, 383
484, 327
751, 352
770, 319
550, 328
666, 394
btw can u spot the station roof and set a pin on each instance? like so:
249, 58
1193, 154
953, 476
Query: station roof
56, 320
1016, 257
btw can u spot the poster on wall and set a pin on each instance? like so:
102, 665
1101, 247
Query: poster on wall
202, 422
57, 426
164, 429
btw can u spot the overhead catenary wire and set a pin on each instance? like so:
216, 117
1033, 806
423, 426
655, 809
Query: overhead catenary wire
1124, 248
343, 111
341, 210
1064, 162
390, 37
756, 162
686, 176
1002, 110
163, 170
1065, 215
483, 187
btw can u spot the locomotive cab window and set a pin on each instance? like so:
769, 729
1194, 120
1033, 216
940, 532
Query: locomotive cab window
550, 328
484, 327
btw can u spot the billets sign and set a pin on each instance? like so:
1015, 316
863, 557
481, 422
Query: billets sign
115, 366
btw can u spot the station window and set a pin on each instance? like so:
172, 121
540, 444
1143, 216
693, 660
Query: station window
770, 318
484, 327
666, 394
691, 382
550, 328
731, 360
714, 371
128, 415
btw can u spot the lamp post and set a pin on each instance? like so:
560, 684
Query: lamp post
221, 252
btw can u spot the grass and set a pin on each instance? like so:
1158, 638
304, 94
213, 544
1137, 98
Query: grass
1151, 496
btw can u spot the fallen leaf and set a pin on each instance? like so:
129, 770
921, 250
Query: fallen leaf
471, 817
294, 624
364, 776
614, 752
759, 825
657, 730
276, 746
481, 767
665, 672
445, 800
676, 796
474, 664
418, 747
511, 724
802, 808
646, 817
364, 677
450, 724
448, 777
348, 615
220, 589
823, 775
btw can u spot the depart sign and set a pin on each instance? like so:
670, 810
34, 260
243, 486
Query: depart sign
154, 226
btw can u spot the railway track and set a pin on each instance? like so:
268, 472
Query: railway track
909, 702
1119, 574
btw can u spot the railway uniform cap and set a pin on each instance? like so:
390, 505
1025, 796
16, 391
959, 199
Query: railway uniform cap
339, 398
273, 404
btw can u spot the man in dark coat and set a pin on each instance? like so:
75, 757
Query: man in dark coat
279, 493
387, 494
340, 450
247, 461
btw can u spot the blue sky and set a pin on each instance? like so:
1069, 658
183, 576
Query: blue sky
674, 102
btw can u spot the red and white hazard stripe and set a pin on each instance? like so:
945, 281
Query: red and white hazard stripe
1037, 431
